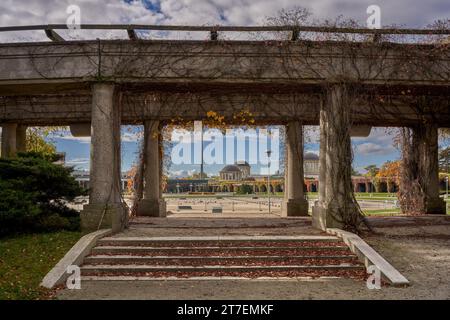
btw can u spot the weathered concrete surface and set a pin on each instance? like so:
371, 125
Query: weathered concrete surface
277, 81
230, 61
21, 138
9, 147
417, 246
74, 257
151, 208
371, 257
99, 216
262, 225
265, 105
105, 205
295, 203
427, 137
336, 206
152, 203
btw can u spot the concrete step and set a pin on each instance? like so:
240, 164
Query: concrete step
219, 260
223, 256
170, 251
216, 241
224, 244
271, 277
127, 269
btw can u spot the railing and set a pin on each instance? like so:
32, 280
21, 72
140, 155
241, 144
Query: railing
295, 30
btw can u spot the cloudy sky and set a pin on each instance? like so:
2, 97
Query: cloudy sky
412, 13
375, 149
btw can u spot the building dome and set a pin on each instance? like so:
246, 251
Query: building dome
230, 168
310, 156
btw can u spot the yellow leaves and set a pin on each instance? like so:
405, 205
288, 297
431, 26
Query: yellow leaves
244, 117
390, 169
211, 114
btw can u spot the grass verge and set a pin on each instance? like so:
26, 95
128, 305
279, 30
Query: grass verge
394, 211
26, 259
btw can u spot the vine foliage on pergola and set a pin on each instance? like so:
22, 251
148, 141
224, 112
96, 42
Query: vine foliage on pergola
358, 63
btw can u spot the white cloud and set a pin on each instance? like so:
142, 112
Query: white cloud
126, 136
181, 173
379, 136
204, 12
72, 138
131, 136
369, 148
77, 161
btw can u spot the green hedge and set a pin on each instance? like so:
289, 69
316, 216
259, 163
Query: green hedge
244, 189
33, 193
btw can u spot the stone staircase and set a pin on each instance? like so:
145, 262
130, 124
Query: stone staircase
205, 257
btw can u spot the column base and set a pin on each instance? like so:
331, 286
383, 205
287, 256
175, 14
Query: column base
110, 218
295, 208
151, 208
435, 206
321, 220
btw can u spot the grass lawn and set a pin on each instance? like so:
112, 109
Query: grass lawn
390, 211
394, 211
26, 259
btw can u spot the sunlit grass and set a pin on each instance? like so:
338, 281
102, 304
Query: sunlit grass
26, 259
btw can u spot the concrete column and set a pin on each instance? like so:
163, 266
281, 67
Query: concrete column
21, 138
295, 204
319, 208
428, 167
336, 201
9, 140
105, 208
322, 154
152, 203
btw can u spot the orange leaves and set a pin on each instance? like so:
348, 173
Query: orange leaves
390, 169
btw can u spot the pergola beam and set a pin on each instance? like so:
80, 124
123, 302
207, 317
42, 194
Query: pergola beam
132, 34
52, 35
229, 28
214, 35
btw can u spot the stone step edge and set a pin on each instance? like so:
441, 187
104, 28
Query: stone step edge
205, 278
369, 256
224, 238
141, 248
141, 268
123, 257
75, 256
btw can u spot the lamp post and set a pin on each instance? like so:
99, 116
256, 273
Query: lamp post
269, 152
201, 165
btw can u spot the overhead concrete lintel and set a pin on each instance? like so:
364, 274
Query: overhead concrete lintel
80, 129
132, 34
360, 131
74, 256
52, 35
369, 257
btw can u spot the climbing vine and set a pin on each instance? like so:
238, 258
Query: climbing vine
365, 77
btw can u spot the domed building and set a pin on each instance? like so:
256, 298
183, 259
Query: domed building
231, 172
245, 168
